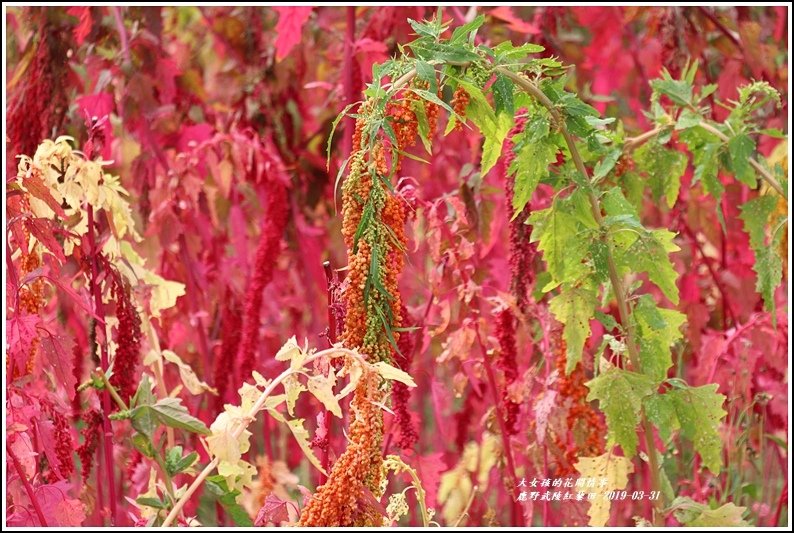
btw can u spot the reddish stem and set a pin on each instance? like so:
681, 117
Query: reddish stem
107, 431
26, 483
514, 508
330, 282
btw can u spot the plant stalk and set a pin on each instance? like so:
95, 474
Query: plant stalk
107, 431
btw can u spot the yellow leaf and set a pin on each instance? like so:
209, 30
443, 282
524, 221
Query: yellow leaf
291, 352
186, 374
389, 372
292, 388
322, 387
615, 470
301, 435
355, 371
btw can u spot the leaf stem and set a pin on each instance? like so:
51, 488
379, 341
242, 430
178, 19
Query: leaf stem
112, 390
614, 277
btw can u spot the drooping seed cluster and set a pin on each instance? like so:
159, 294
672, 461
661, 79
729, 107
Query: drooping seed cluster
340, 501
277, 214
31, 300
128, 339
90, 433
231, 324
586, 430
506, 335
400, 391
522, 251
460, 101
37, 103
64, 446
373, 230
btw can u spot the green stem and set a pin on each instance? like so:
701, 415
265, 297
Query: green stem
112, 390
614, 277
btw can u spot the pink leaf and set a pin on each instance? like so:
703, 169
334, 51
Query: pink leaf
99, 105
46, 440
543, 408
41, 228
57, 350
290, 23
21, 332
506, 14
429, 467
274, 511
83, 27
192, 136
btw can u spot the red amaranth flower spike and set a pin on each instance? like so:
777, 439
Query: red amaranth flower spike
276, 215
400, 391
522, 252
231, 322
128, 338
93, 421
506, 362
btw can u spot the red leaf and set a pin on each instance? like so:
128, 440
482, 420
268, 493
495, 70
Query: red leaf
21, 332
506, 14
99, 105
36, 187
57, 350
274, 511
41, 228
46, 434
429, 467
289, 26
192, 136
83, 27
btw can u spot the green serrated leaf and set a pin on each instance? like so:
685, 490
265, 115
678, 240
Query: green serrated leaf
741, 148
461, 33
144, 445
155, 503
649, 253
574, 307
664, 168
697, 411
503, 95
768, 266
605, 165
658, 329
529, 167
172, 413
694, 514
426, 72
707, 167
688, 119
620, 394
679, 91
556, 232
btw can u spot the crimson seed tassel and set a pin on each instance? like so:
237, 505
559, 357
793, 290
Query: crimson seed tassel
128, 340
36, 103
506, 334
230, 341
261, 274
522, 252
400, 391
86, 451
